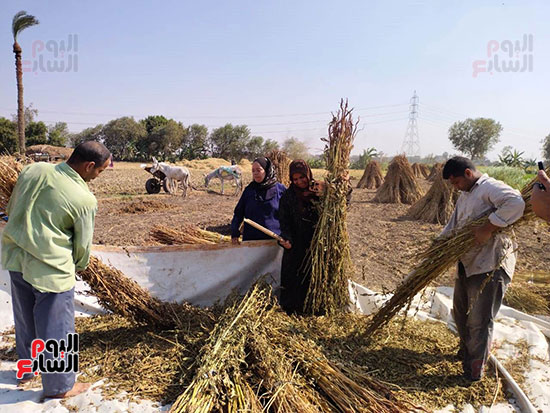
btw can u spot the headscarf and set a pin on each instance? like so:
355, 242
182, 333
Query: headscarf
270, 178
305, 195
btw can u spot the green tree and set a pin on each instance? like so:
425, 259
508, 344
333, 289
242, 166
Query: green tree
364, 158
255, 148
94, 133
195, 142
295, 149
475, 136
270, 145
511, 157
122, 135
20, 22
36, 133
163, 139
8, 136
58, 134
546, 149
229, 142
153, 121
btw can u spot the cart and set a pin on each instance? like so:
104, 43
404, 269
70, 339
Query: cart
153, 185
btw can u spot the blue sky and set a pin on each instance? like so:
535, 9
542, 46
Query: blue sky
282, 66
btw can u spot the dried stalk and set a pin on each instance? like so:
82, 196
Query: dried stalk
329, 251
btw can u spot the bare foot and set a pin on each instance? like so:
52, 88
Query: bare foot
77, 389
21, 383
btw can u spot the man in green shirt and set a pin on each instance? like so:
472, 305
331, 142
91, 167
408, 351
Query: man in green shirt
47, 239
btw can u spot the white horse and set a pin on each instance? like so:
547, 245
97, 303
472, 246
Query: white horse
226, 173
174, 174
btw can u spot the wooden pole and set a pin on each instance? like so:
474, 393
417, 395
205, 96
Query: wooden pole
263, 229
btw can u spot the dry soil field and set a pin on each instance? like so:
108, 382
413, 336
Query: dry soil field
383, 243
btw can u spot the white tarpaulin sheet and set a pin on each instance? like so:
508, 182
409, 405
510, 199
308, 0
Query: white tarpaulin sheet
511, 329
204, 275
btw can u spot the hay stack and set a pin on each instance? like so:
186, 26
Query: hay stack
437, 205
420, 170
330, 253
437, 169
443, 253
372, 177
10, 168
187, 234
123, 296
60, 152
257, 359
281, 163
400, 186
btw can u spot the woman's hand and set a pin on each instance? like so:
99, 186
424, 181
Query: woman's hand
235, 241
285, 244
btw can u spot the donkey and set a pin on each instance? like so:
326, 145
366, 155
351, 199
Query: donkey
173, 174
226, 173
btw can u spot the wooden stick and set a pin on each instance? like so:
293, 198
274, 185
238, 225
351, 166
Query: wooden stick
264, 230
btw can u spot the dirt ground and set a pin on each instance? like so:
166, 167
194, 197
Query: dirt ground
383, 243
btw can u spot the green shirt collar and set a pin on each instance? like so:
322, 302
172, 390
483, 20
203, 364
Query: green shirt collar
65, 168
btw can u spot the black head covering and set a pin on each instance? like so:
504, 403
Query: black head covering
270, 178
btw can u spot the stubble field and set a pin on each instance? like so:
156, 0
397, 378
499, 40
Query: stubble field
383, 242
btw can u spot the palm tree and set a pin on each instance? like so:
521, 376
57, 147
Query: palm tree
20, 22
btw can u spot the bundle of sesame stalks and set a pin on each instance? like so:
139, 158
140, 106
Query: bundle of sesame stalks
258, 359
10, 168
219, 384
420, 170
437, 205
329, 387
372, 177
187, 234
437, 169
443, 253
330, 257
281, 163
400, 185
123, 296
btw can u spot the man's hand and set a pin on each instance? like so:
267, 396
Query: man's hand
235, 241
285, 244
484, 233
319, 187
540, 199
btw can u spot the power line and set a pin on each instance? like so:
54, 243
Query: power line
212, 116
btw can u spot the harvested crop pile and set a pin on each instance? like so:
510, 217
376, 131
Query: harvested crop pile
281, 163
437, 169
210, 163
236, 369
437, 205
416, 360
372, 177
186, 234
10, 168
125, 297
420, 170
443, 253
54, 151
330, 252
140, 206
400, 185
529, 293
